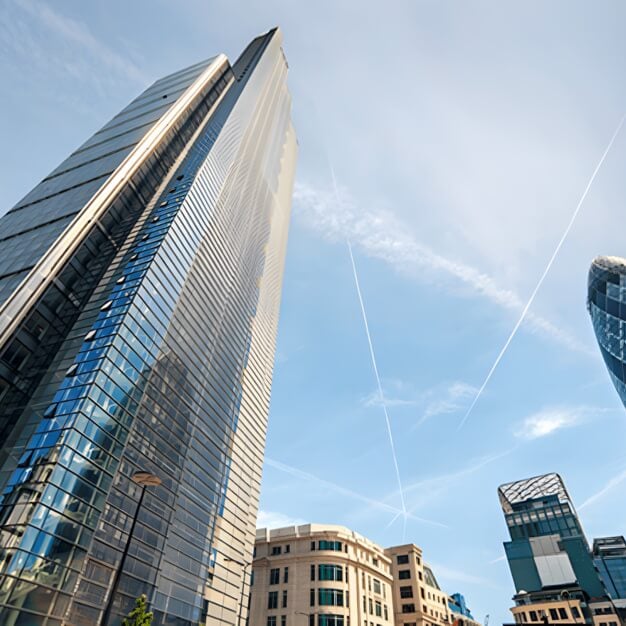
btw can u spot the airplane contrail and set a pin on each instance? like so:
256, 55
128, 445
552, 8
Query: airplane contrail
378, 383
298, 473
374, 365
541, 279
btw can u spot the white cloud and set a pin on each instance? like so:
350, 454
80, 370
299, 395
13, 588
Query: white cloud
454, 399
274, 519
57, 44
616, 480
381, 235
440, 400
549, 420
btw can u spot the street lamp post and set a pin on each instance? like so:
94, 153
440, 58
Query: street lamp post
309, 615
144, 479
244, 566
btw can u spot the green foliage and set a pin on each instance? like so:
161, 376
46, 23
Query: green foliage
139, 616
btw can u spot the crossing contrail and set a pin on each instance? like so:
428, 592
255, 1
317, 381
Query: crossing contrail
378, 383
374, 366
545, 273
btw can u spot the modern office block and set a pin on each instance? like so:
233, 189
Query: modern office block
606, 303
548, 555
140, 287
609, 556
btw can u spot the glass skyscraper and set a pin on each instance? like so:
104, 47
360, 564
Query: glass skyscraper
606, 302
140, 287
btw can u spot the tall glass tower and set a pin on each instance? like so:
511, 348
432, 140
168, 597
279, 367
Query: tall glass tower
140, 287
606, 302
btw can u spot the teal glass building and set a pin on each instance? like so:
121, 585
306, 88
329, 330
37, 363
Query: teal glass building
140, 288
548, 552
606, 303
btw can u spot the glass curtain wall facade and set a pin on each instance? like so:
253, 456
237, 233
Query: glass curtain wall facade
139, 296
606, 303
609, 556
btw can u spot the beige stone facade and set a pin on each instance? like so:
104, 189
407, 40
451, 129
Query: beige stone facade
321, 575
417, 598
314, 575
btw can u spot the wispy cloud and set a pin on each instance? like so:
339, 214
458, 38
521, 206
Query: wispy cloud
549, 420
57, 43
454, 398
381, 235
306, 476
274, 519
611, 484
440, 400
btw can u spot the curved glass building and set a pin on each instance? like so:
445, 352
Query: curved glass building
140, 287
606, 302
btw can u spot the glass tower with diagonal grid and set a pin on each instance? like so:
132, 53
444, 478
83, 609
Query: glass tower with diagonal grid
140, 288
606, 302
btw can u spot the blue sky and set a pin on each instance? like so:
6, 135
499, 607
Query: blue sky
462, 135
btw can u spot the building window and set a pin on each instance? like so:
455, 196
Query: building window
284, 599
378, 609
287, 549
408, 608
283, 620
330, 572
562, 613
364, 604
575, 612
276, 550
312, 572
553, 614
404, 574
386, 612
329, 545
406, 592
330, 597
312, 597
286, 575
376, 586
422, 593
272, 600
402, 559
371, 606
330, 620
274, 576
271, 620
533, 616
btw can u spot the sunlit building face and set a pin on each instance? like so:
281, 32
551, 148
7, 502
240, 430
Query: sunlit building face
140, 287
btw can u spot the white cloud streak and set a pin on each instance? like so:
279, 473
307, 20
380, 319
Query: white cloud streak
306, 476
382, 236
72, 46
